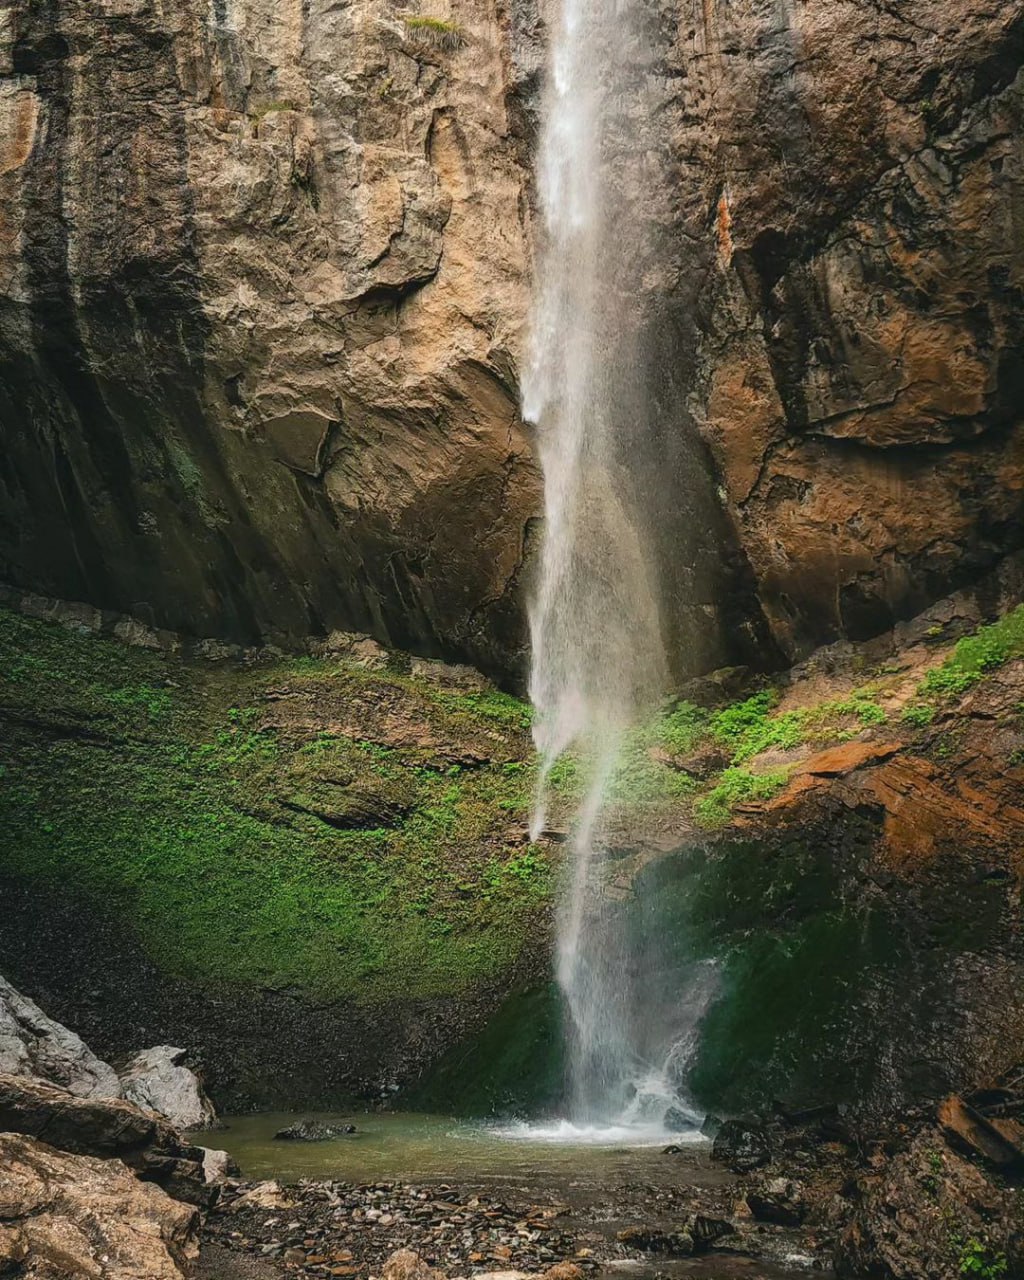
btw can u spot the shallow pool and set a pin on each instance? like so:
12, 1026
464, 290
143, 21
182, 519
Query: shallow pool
408, 1147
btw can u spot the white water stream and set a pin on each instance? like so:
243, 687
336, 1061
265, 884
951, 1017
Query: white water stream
596, 631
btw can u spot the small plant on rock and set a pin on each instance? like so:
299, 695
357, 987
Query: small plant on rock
439, 32
977, 1259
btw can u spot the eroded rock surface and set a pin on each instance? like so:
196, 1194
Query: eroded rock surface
31, 1044
110, 1129
265, 276
158, 1080
264, 280
67, 1217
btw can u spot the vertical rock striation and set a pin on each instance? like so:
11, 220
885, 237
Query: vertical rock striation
262, 281
262, 296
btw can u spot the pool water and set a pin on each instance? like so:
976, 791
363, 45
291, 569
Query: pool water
407, 1147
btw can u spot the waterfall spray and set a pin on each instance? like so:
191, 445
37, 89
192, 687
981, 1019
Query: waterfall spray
598, 654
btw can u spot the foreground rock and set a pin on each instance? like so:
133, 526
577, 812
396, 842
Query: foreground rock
158, 1080
108, 1129
67, 1216
31, 1044
929, 1212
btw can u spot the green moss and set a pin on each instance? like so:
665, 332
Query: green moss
735, 786
974, 655
752, 727
490, 704
679, 730
242, 853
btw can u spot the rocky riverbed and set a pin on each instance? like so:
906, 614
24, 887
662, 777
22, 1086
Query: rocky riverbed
321, 1229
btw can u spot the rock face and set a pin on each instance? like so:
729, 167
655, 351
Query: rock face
265, 273
861, 354
108, 1129
158, 1080
31, 1044
67, 1216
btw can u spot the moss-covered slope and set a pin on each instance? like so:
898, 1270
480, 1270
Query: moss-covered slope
310, 824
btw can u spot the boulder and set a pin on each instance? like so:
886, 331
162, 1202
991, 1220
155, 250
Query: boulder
677, 1120
742, 1145
1000, 1142
777, 1200
698, 1234
313, 1131
158, 1080
218, 1165
31, 1044
69, 1216
264, 1195
108, 1128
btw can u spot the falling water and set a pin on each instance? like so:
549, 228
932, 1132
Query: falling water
596, 630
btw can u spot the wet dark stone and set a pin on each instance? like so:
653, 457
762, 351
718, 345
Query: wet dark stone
312, 1131
742, 1145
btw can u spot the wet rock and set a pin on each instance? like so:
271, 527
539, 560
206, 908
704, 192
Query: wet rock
74, 1217
777, 1200
563, 1271
696, 1236
1000, 1143
158, 1080
677, 1121
313, 1131
929, 1212
742, 1145
710, 1126
31, 1044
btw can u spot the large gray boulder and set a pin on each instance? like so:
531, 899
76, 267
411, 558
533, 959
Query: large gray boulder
158, 1080
31, 1044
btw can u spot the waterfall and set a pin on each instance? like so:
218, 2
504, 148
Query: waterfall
596, 628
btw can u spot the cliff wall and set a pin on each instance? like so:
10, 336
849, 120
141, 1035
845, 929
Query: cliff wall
263, 280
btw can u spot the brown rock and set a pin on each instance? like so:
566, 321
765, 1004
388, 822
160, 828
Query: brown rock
970, 1132
406, 1265
563, 1271
106, 1128
901, 1227
287, 260
69, 1216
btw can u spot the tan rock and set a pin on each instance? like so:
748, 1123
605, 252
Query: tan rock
407, 1265
264, 1195
70, 1216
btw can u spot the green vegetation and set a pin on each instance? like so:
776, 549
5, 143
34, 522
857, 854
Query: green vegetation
989, 647
918, 714
744, 730
208, 807
750, 727
734, 787
440, 32
977, 1259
